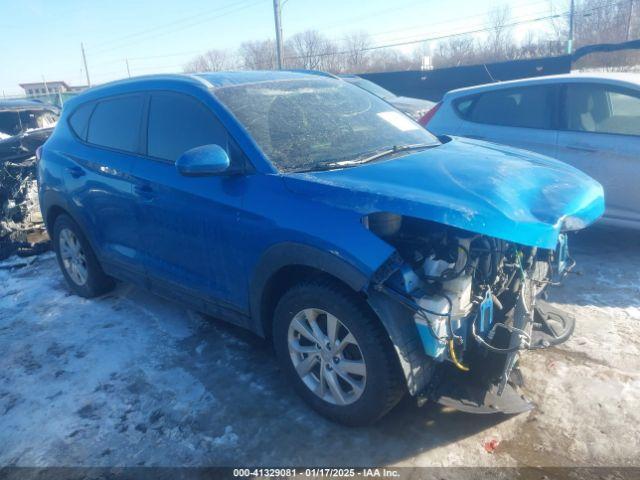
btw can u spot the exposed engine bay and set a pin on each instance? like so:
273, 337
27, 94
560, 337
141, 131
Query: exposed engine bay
477, 303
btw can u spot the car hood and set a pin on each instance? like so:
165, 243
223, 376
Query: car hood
477, 186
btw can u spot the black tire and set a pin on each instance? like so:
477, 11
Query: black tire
97, 282
385, 384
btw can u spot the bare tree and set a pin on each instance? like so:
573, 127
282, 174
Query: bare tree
210, 61
258, 55
600, 21
390, 60
309, 50
456, 51
499, 43
333, 60
357, 56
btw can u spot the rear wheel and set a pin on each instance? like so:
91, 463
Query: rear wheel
77, 261
336, 354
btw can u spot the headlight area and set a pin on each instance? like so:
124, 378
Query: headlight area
473, 303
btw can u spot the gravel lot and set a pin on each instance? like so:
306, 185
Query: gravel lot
130, 379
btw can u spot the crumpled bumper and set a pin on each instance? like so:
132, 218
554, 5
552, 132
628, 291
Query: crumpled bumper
492, 384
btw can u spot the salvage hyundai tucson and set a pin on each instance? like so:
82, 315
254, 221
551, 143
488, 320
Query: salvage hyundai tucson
377, 258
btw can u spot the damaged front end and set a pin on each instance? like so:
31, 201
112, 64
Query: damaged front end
460, 308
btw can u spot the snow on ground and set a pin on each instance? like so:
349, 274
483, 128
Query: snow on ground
131, 379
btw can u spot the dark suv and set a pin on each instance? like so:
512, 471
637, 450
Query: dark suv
376, 257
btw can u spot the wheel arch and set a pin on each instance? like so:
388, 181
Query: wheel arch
283, 265
54, 207
53, 212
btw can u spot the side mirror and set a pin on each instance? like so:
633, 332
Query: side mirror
203, 161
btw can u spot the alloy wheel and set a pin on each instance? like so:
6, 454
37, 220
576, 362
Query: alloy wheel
326, 356
73, 257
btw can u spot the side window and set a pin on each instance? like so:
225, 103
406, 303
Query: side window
178, 123
79, 120
527, 107
602, 109
115, 123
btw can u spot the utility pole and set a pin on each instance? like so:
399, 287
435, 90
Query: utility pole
629, 20
86, 69
571, 16
46, 87
128, 71
278, 19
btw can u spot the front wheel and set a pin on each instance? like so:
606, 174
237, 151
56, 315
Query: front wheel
336, 353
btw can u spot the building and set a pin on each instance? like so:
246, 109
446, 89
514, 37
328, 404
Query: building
48, 88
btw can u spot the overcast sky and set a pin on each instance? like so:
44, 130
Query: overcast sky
42, 37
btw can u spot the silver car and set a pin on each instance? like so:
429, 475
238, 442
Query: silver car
591, 121
414, 107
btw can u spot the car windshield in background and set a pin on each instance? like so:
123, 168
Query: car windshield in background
374, 88
320, 123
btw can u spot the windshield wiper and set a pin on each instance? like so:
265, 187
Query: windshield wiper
378, 154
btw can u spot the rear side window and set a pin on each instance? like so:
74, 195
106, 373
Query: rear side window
527, 107
178, 123
602, 109
79, 120
115, 123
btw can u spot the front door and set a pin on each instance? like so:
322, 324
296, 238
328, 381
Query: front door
189, 225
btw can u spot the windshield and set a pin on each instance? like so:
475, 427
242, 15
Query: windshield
369, 86
313, 124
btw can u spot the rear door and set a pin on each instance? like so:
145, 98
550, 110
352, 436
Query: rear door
522, 117
98, 177
601, 136
189, 225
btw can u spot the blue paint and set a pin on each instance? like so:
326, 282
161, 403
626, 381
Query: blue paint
203, 161
205, 237
476, 186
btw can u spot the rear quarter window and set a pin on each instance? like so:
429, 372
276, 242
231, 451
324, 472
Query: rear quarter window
463, 106
79, 120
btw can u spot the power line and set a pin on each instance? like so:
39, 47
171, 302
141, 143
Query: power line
168, 24
162, 29
453, 20
480, 29
521, 19
397, 44
443, 37
196, 52
371, 15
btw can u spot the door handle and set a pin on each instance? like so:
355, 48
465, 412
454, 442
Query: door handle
476, 137
144, 190
582, 148
75, 172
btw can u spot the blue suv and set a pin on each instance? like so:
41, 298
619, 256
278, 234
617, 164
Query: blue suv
377, 258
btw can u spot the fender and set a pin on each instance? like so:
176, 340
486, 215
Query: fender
50, 199
297, 254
